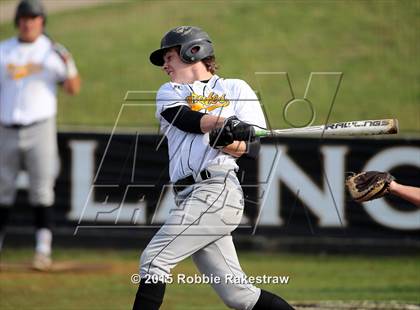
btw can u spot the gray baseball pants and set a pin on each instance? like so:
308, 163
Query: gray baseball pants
200, 226
33, 148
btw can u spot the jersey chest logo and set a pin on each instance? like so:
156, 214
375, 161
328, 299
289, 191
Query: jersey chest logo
20, 72
209, 103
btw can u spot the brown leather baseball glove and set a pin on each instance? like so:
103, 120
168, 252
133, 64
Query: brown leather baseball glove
369, 185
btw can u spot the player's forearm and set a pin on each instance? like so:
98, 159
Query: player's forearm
72, 86
209, 122
409, 193
236, 149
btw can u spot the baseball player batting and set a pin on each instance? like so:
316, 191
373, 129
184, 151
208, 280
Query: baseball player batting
208, 196
31, 65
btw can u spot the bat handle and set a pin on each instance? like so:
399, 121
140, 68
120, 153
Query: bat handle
259, 132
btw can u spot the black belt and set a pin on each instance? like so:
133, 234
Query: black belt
13, 126
183, 183
20, 126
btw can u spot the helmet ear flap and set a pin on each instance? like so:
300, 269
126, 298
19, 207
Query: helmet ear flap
196, 50
190, 52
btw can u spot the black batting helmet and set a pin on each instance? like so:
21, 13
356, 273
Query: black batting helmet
194, 43
27, 8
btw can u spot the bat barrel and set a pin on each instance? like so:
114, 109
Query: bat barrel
351, 128
363, 128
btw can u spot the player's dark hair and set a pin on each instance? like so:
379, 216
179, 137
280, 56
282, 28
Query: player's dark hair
210, 63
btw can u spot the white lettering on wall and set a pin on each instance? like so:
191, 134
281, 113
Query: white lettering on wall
326, 203
83, 206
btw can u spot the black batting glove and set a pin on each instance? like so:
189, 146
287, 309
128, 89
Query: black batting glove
220, 137
240, 130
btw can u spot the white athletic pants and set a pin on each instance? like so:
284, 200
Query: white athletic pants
200, 226
34, 149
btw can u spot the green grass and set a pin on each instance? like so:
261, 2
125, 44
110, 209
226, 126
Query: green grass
312, 278
373, 43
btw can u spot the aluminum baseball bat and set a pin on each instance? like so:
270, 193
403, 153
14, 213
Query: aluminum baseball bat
349, 128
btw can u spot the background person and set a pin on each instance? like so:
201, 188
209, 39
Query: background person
31, 66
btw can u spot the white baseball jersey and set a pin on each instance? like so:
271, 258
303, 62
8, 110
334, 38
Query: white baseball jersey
189, 153
29, 73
